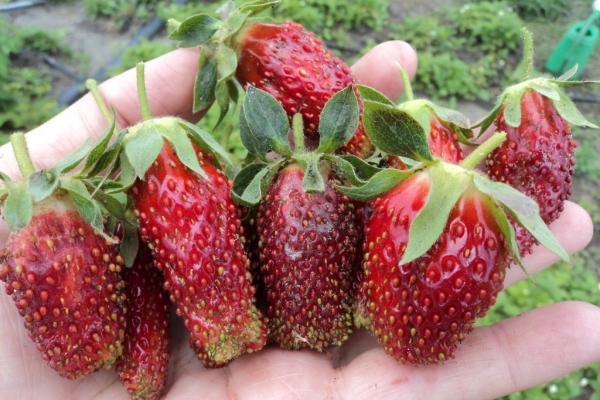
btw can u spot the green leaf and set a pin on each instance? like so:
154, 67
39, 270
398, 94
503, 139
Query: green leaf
127, 176
445, 190
222, 96
18, 206
452, 116
108, 157
101, 145
339, 120
143, 148
42, 184
233, 24
72, 160
110, 203
182, 144
264, 124
226, 62
524, 210
344, 169
569, 74
552, 92
395, 132
512, 112
313, 179
195, 30
509, 235
206, 81
251, 182
256, 7
363, 168
87, 207
570, 113
378, 185
206, 142
369, 94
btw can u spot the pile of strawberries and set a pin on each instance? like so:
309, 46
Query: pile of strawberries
349, 212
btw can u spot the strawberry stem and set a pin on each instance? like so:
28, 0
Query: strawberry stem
407, 86
298, 129
527, 53
142, 95
19, 145
485, 148
92, 86
173, 23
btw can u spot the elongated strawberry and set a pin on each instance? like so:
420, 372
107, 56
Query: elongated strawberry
283, 59
182, 200
538, 157
437, 243
61, 269
142, 367
308, 233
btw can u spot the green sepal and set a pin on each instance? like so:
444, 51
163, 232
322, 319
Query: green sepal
68, 163
509, 234
369, 94
101, 144
512, 111
108, 157
42, 184
206, 142
524, 210
569, 74
456, 121
143, 148
344, 169
252, 182
195, 30
339, 120
313, 181
206, 81
570, 113
431, 220
222, 97
86, 206
264, 124
127, 176
379, 184
130, 243
226, 62
18, 206
110, 203
182, 144
233, 24
256, 7
395, 132
364, 169
488, 120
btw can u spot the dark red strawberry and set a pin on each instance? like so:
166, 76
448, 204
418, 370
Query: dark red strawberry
62, 273
283, 59
437, 243
142, 367
308, 247
538, 158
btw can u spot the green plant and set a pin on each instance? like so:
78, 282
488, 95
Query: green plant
33, 38
537, 9
121, 11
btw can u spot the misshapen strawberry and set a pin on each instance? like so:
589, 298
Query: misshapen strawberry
142, 367
437, 243
61, 269
308, 233
538, 157
283, 59
182, 200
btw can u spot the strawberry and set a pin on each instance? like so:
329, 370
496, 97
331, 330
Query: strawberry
538, 158
60, 267
182, 201
283, 59
437, 242
142, 367
308, 233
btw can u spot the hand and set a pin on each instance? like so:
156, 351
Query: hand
509, 356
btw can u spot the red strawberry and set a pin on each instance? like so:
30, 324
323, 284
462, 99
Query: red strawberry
283, 59
142, 367
437, 243
63, 274
420, 310
193, 228
308, 245
538, 157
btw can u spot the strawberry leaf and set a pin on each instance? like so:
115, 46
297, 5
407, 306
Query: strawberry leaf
509, 234
182, 145
551, 92
101, 145
206, 142
364, 169
127, 176
430, 222
195, 30
379, 184
68, 163
524, 210
264, 124
109, 156
222, 96
252, 182
86, 206
42, 184
569, 74
512, 112
206, 81
256, 7
570, 113
18, 206
143, 148
339, 120
395, 132
233, 24
369, 94
110, 204
344, 169
452, 116
226, 62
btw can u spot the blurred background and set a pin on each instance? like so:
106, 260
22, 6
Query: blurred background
469, 51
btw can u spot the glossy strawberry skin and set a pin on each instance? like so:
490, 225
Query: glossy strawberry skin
308, 249
193, 229
537, 159
443, 143
142, 367
296, 68
65, 280
421, 310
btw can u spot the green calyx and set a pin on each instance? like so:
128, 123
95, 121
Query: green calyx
552, 88
265, 129
218, 55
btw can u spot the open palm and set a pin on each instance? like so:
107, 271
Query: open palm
512, 355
